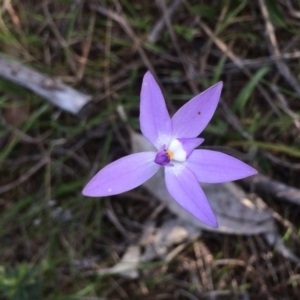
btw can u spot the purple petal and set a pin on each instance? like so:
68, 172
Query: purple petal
215, 167
184, 188
122, 175
190, 144
190, 120
155, 121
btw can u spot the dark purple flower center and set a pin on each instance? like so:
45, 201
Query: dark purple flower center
163, 157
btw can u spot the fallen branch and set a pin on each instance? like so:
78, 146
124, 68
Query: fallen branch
56, 92
275, 188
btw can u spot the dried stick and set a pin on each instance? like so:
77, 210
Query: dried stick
231, 67
292, 11
226, 50
261, 61
282, 102
275, 188
281, 162
231, 117
184, 62
154, 35
59, 37
282, 67
25, 176
49, 88
128, 29
274, 49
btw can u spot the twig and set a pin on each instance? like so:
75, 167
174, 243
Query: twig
24, 177
23, 136
232, 119
275, 188
285, 107
49, 88
231, 67
86, 46
59, 37
114, 219
204, 260
209, 43
281, 162
127, 28
274, 49
187, 68
224, 48
154, 35
114, 88
5, 31
258, 62
293, 12
13, 15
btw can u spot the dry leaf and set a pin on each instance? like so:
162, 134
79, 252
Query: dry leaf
127, 266
235, 212
157, 241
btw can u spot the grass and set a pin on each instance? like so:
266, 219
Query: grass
50, 234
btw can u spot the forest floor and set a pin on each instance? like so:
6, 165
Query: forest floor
54, 241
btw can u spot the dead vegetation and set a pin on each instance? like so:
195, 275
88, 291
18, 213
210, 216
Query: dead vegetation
57, 244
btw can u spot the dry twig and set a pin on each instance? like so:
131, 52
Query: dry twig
57, 93
224, 48
127, 28
59, 37
275, 188
187, 67
154, 35
24, 177
274, 49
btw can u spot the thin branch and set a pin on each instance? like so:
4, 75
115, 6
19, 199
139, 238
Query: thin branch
49, 88
274, 49
157, 29
59, 37
275, 188
127, 28
24, 177
226, 50
186, 66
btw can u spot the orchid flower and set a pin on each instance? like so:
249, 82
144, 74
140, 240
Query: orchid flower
175, 140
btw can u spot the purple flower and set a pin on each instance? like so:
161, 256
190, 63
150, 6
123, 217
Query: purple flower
175, 140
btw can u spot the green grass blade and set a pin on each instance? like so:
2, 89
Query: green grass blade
279, 148
245, 93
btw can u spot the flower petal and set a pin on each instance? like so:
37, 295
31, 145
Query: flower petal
190, 120
155, 121
184, 188
190, 144
122, 175
216, 167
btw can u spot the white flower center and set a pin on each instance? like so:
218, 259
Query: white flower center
178, 153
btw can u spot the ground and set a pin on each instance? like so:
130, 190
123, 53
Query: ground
53, 239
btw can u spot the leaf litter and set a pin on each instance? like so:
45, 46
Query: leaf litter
237, 214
